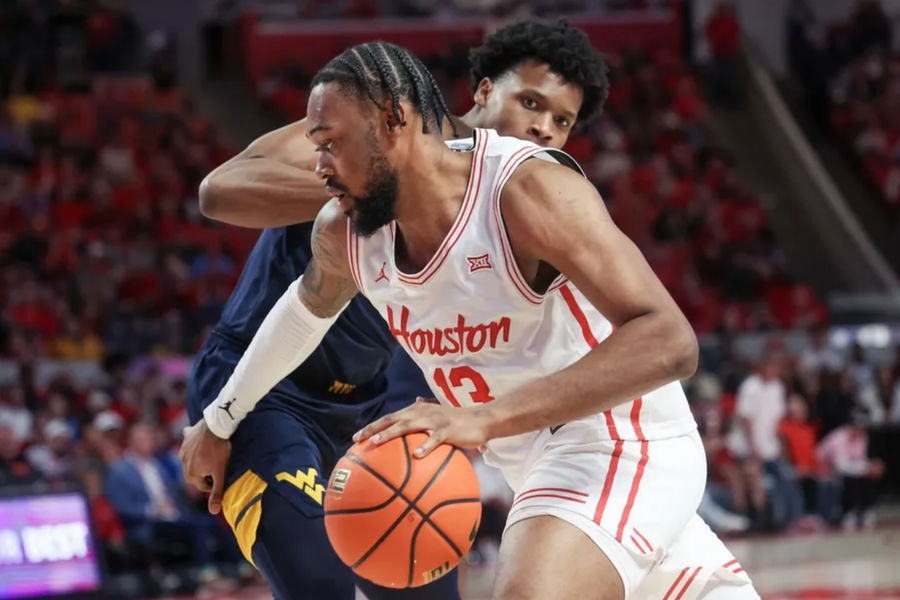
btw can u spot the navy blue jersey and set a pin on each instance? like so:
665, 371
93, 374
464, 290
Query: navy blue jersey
343, 378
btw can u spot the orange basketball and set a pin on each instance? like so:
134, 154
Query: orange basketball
401, 521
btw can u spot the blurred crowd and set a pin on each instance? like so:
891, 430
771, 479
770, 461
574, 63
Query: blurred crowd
103, 247
852, 76
117, 439
435, 9
801, 442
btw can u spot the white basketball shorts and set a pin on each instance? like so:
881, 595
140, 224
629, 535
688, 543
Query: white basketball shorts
637, 501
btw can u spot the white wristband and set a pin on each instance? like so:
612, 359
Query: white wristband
287, 336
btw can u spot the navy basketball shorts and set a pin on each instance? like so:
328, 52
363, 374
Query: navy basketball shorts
274, 488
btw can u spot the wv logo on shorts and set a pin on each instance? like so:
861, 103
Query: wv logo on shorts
305, 482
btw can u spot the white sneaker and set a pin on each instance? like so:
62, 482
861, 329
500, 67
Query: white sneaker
734, 523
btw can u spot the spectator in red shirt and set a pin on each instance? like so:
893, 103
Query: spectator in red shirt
798, 435
723, 33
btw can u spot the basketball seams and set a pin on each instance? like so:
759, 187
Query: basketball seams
438, 530
408, 475
401, 528
410, 506
398, 491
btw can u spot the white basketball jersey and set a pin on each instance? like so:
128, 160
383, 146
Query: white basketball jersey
476, 328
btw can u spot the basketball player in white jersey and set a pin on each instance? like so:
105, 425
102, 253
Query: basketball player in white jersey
542, 330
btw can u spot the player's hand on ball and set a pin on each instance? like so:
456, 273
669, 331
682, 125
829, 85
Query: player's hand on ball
203, 458
466, 428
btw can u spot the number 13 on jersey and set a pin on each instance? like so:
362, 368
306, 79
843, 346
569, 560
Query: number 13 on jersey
459, 376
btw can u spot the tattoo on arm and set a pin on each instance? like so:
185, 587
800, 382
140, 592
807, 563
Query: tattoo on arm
313, 278
327, 284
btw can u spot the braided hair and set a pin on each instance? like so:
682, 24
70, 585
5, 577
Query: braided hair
380, 71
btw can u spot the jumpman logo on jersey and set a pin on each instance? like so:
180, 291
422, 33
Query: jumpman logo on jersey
477, 263
382, 275
227, 408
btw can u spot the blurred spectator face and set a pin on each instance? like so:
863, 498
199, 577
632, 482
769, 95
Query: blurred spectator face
16, 396
109, 424
531, 102
59, 406
820, 337
57, 436
857, 430
797, 408
97, 444
771, 369
142, 440
97, 401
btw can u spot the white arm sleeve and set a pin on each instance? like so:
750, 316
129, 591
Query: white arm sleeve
287, 336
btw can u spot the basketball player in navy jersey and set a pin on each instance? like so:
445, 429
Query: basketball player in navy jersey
532, 80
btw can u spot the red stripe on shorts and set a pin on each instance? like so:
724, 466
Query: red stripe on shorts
531, 496
677, 580
688, 584
607, 485
639, 474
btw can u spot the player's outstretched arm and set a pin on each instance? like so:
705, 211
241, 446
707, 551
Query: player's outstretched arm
288, 335
293, 328
270, 184
556, 216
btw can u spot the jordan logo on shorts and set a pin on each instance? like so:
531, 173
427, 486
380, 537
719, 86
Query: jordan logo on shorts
381, 275
478, 263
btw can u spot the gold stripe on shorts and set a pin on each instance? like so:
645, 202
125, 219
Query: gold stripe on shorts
242, 505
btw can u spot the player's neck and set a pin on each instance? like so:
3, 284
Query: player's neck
473, 119
429, 196
463, 127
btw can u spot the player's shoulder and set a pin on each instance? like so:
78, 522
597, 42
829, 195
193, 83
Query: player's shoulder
544, 186
329, 233
511, 149
329, 239
331, 221
543, 201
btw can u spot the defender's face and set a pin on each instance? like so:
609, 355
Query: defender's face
531, 102
350, 158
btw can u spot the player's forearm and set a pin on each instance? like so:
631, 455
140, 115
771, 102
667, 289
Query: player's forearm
640, 356
261, 192
287, 336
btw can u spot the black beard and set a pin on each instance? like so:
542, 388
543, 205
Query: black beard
375, 209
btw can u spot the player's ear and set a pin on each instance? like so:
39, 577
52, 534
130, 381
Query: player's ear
393, 124
483, 92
